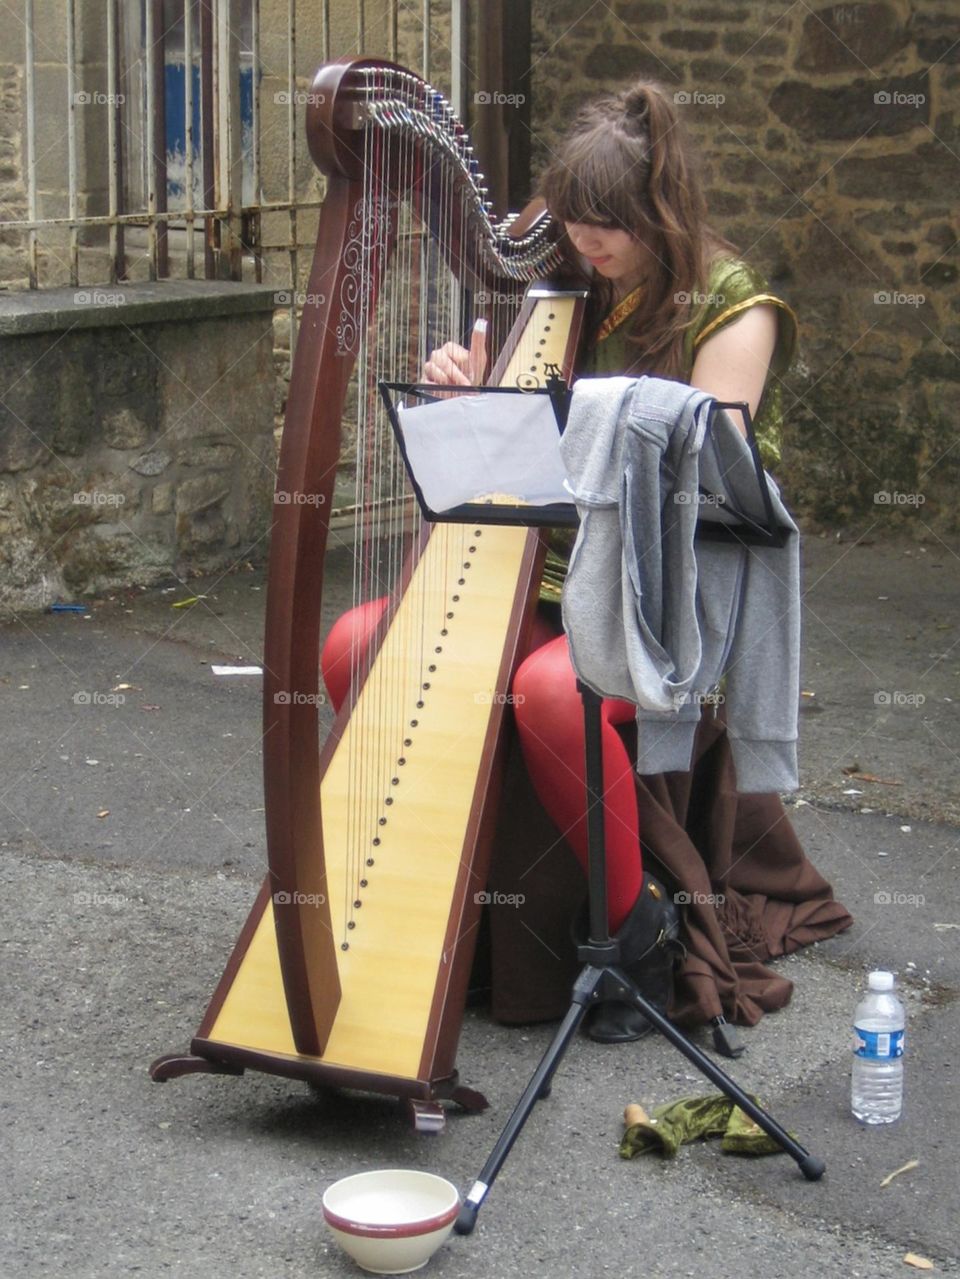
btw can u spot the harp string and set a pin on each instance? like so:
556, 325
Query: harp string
408, 202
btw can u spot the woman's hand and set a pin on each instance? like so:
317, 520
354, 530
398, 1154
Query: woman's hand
454, 365
448, 366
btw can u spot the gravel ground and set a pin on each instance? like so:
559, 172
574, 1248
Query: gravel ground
133, 848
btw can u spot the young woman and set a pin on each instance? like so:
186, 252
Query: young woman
669, 298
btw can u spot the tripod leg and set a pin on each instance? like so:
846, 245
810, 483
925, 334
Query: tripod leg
535, 1089
811, 1167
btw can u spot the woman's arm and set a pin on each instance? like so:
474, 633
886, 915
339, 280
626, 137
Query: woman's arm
732, 364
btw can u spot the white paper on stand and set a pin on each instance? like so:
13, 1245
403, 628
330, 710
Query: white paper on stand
466, 447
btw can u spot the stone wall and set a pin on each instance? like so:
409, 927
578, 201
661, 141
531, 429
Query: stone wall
829, 141
136, 436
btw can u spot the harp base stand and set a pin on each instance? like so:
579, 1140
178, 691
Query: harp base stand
173, 1065
423, 1098
601, 979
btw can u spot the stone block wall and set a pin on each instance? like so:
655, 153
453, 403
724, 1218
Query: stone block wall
829, 137
136, 436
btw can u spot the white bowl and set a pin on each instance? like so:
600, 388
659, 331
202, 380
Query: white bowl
393, 1220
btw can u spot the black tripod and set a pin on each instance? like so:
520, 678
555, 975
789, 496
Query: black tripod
601, 979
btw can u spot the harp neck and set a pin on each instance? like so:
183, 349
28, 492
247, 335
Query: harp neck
359, 105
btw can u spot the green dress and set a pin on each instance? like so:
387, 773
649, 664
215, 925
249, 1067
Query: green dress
733, 287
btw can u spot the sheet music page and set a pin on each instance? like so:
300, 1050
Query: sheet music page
475, 448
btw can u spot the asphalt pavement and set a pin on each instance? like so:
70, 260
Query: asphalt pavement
131, 822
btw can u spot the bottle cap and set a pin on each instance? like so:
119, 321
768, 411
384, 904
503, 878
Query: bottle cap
880, 980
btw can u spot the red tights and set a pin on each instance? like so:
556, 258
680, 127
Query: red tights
549, 715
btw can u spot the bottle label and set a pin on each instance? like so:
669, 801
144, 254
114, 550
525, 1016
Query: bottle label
878, 1045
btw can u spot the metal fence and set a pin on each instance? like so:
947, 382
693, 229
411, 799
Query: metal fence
180, 123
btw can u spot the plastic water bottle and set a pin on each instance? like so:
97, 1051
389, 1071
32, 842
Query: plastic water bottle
876, 1092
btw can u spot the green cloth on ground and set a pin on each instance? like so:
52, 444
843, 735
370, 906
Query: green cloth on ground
693, 1118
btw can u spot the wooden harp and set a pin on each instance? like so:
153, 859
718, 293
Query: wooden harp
353, 964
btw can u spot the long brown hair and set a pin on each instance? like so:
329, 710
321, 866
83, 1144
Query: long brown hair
627, 163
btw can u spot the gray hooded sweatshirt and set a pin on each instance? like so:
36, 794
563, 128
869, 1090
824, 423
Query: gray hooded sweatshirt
653, 616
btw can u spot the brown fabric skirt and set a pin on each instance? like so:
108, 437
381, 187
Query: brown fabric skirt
749, 892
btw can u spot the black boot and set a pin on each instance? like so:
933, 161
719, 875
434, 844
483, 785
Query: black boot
650, 950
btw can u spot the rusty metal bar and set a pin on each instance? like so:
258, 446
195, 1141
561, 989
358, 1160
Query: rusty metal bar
188, 140
30, 86
72, 103
458, 61
150, 67
254, 218
206, 136
143, 218
156, 54
230, 143
118, 267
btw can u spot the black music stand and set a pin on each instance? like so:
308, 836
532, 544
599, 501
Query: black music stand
600, 978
